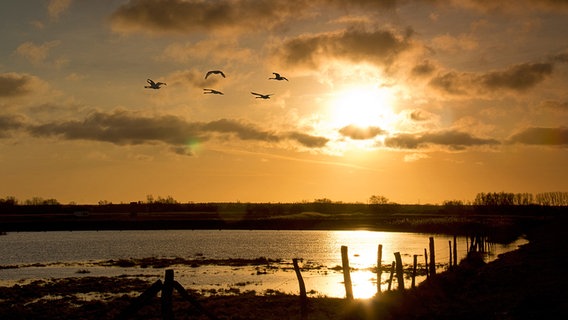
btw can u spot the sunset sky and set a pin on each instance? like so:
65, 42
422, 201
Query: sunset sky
418, 101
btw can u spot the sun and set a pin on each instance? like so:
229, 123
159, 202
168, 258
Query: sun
363, 106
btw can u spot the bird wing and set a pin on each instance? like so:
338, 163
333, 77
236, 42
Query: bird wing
151, 82
277, 75
257, 94
208, 73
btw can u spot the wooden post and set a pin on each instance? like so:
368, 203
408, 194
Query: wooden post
379, 267
399, 271
426, 262
432, 258
391, 275
346, 273
303, 295
450, 255
414, 270
167, 289
455, 252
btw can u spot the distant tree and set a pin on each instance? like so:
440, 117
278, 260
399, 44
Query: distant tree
374, 199
38, 201
9, 201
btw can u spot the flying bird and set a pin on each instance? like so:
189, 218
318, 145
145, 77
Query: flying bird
262, 96
277, 76
154, 85
212, 91
214, 72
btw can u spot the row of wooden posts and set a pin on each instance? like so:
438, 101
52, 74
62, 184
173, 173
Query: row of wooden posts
169, 284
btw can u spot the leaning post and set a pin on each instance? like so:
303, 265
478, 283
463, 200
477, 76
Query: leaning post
303, 295
346, 273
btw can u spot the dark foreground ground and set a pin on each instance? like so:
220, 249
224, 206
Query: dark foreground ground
529, 283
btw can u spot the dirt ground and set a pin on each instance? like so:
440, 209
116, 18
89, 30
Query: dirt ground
529, 283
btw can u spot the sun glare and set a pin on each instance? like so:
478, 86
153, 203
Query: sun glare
363, 106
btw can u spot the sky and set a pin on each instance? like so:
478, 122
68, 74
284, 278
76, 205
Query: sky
419, 101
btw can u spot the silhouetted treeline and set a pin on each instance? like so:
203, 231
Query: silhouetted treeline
484, 203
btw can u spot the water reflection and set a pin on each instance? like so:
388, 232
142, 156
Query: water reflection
319, 251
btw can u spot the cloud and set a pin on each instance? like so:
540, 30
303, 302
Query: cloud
424, 68
358, 133
191, 77
541, 136
36, 54
212, 50
454, 140
159, 16
561, 106
56, 7
517, 78
126, 128
15, 84
380, 47
10, 122
415, 157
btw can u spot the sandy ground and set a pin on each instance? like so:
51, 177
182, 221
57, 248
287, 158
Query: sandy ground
529, 283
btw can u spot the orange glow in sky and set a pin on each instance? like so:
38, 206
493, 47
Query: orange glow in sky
417, 101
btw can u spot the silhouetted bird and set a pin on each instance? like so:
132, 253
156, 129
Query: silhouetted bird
211, 91
214, 72
277, 76
154, 85
262, 96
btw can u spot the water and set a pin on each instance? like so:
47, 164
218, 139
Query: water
62, 254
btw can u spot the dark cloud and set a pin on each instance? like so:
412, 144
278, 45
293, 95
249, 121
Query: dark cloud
542, 136
378, 46
561, 57
157, 16
419, 115
14, 84
454, 140
561, 106
10, 122
183, 16
126, 128
358, 133
425, 68
307, 140
518, 78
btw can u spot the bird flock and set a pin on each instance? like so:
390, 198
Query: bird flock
277, 77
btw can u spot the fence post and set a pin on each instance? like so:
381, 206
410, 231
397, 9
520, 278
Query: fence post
303, 295
450, 256
346, 273
167, 289
379, 267
426, 262
455, 251
399, 271
432, 258
415, 262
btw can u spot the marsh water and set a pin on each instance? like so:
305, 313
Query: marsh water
27, 256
